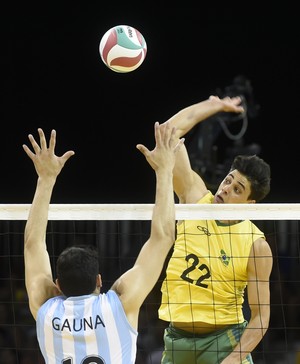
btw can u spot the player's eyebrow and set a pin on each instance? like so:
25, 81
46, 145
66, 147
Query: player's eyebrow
240, 183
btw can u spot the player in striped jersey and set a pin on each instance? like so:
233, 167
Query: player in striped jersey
76, 323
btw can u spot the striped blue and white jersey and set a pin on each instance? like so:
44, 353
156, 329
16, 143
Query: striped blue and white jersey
91, 329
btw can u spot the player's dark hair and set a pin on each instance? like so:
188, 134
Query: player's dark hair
257, 172
77, 268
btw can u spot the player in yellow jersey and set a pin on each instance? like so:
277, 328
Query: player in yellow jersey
214, 262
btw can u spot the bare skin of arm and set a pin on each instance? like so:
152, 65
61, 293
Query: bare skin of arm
188, 185
190, 188
38, 276
259, 270
135, 285
187, 118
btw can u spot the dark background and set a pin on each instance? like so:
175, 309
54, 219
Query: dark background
52, 77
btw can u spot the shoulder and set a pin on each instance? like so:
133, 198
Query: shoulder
261, 247
55, 299
190, 190
261, 259
113, 298
50, 303
208, 198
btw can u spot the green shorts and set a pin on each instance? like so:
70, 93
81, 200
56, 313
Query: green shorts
182, 347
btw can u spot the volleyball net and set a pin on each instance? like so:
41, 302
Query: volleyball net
119, 231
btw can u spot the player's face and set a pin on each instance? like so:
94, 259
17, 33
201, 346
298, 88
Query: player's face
235, 188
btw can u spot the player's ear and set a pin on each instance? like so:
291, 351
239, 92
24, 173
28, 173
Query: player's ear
98, 281
58, 286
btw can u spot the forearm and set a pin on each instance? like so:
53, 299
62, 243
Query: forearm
38, 214
38, 275
163, 218
188, 117
251, 337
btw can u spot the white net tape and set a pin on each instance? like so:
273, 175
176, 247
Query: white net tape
257, 211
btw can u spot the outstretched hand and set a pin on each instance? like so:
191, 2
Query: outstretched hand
46, 163
229, 104
167, 145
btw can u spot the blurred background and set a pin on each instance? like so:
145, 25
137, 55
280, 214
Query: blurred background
52, 77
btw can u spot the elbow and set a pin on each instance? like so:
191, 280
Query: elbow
169, 233
166, 236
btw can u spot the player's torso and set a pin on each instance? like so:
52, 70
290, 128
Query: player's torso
90, 329
208, 268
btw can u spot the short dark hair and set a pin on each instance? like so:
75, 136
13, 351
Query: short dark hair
257, 172
77, 268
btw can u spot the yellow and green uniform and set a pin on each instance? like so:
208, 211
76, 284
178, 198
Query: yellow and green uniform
183, 347
207, 272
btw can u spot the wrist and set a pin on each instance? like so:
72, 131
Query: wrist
215, 104
48, 181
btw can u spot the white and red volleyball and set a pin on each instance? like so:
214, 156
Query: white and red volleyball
123, 48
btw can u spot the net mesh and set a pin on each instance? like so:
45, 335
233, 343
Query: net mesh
118, 232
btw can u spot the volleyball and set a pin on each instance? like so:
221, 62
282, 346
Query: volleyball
123, 48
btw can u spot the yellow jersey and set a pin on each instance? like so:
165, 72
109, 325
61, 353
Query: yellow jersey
207, 273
